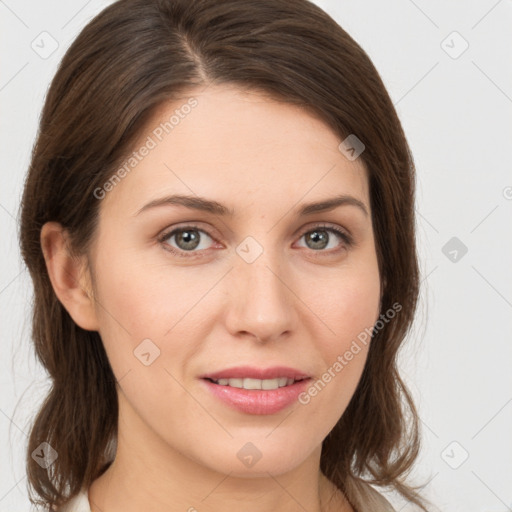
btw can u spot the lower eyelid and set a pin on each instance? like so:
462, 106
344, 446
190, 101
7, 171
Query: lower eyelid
345, 238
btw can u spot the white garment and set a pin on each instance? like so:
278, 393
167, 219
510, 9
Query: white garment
80, 503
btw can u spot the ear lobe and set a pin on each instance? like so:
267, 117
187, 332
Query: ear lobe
69, 276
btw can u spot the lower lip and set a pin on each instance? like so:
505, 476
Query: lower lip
257, 401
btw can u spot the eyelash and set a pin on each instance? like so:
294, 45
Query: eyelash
346, 238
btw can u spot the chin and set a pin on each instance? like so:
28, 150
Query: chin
257, 458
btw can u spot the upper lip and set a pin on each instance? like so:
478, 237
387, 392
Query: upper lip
251, 372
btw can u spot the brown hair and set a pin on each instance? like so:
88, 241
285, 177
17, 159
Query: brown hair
132, 57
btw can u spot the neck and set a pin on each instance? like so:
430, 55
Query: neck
127, 486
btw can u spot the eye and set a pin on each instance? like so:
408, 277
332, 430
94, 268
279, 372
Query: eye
189, 238
318, 238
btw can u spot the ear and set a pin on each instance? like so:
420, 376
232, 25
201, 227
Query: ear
69, 275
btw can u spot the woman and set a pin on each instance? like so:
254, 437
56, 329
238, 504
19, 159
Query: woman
219, 224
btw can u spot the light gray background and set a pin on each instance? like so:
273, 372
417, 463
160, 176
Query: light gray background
456, 112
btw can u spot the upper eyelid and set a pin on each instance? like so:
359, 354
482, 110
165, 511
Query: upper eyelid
166, 233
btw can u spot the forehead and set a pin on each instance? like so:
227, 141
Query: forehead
237, 147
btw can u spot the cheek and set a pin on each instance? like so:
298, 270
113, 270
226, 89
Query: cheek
349, 305
127, 307
147, 309
349, 309
356, 306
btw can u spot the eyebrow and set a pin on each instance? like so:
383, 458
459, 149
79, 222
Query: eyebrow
216, 208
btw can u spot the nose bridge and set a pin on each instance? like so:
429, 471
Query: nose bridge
263, 304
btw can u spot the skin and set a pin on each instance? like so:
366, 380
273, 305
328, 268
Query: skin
298, 304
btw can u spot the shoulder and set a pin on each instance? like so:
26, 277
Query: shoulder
364, 497
79, 503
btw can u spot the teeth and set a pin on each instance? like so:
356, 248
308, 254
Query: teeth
248, 383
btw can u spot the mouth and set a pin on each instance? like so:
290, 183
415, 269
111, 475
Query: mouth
257, 390
257, 384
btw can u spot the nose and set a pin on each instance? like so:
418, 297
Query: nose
262, 306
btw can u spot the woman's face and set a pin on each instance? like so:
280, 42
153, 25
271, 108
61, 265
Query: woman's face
263, 286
